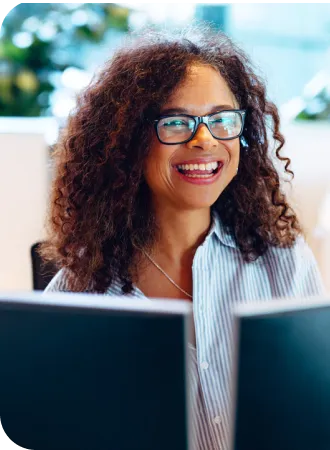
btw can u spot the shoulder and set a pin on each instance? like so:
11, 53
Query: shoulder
299, 253
58, 283
295, 267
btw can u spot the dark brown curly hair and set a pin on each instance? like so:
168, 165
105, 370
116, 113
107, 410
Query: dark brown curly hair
100, 210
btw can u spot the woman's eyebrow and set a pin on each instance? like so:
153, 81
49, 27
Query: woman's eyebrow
186, 111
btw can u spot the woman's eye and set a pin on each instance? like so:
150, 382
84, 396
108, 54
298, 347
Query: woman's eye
222, 120
175, 123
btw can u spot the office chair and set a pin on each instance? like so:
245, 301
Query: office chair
42, 272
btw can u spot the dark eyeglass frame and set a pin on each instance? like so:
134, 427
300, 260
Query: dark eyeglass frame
198, 120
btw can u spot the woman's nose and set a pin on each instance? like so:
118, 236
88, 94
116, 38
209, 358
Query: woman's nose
203, 138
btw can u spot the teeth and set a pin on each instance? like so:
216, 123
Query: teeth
193, 175
208, 166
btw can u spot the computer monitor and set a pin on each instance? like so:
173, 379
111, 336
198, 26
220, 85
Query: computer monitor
90, 372
282, 399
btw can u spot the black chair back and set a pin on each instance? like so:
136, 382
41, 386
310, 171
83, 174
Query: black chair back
42, 272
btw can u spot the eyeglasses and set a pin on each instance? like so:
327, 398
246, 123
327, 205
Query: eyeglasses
181, 128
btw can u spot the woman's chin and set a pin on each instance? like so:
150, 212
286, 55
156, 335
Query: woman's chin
197, 202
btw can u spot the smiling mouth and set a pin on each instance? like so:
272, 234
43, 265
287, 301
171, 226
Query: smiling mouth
199, 170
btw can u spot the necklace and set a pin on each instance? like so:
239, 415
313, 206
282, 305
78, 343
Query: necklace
167, 276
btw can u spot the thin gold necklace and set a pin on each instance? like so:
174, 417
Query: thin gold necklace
167, 276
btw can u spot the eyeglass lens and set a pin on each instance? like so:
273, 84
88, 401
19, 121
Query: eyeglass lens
176, 129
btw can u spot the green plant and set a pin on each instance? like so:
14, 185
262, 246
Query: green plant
317, 108
40, 40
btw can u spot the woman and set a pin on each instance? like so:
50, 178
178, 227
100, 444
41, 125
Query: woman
164, 187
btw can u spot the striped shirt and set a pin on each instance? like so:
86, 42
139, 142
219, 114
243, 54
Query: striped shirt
221, 279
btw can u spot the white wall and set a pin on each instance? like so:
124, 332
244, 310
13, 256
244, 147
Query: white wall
24, 185
308, 146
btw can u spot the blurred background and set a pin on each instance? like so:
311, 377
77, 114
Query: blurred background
50, 51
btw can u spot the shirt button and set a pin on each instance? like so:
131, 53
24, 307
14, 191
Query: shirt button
204, 365
217, 420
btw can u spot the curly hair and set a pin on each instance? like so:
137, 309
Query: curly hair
100, 213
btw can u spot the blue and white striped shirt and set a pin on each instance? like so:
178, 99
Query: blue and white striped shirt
221, 279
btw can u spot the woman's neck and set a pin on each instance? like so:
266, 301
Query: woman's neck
181, 232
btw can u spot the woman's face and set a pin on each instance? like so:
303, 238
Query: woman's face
203, 92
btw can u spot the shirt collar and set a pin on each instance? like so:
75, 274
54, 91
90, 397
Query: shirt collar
218, 229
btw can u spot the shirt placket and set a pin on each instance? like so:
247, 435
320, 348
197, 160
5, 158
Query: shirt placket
201, 309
